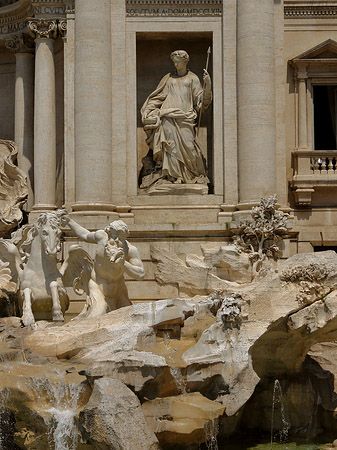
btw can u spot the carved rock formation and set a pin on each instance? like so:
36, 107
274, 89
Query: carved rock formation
113, 419
226, 347
183, 419
13, 188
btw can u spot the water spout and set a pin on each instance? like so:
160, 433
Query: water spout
278, 399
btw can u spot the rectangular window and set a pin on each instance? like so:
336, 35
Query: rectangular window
325, 117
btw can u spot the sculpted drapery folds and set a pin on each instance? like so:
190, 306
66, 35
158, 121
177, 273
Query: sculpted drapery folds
169, 117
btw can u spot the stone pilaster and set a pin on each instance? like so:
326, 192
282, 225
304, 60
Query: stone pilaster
44, 31
256, 100
302, 107
119, 120
67, 30
23, 47
93, 118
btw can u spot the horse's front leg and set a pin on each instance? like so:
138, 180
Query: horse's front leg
57, 313
27, 313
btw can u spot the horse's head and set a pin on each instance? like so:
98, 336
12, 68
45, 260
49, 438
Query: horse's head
47, 227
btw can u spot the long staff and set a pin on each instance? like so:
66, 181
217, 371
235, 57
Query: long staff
203, 89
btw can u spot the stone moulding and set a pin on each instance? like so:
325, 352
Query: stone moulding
296, 10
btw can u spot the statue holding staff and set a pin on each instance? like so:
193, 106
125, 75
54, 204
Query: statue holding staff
169, 117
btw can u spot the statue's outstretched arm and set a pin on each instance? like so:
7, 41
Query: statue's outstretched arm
81, 232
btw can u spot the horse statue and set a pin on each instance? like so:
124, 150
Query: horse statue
34, 269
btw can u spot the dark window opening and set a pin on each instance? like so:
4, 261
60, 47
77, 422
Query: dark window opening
325, 117
323, 248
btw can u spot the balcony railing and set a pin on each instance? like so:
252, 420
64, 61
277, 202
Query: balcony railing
313, 169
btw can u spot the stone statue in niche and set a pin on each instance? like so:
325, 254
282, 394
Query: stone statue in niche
102, 278
169, 117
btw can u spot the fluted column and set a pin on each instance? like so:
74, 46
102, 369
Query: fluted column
44, 32
93, 121
23, 47
256, 99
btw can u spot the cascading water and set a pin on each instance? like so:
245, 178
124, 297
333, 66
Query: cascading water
175, 371
178, 379
278, 399
59, 407
211, 431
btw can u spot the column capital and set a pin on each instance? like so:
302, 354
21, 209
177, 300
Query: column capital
20, 43
62, 27
43, 28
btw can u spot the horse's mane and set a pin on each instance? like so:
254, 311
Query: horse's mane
52, 218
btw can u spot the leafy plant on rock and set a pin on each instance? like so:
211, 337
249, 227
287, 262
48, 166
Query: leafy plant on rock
259, 235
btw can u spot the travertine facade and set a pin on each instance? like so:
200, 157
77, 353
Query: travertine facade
73, 78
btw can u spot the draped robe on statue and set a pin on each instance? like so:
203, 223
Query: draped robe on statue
169, 117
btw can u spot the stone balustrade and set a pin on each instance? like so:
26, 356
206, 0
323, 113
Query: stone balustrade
313, 169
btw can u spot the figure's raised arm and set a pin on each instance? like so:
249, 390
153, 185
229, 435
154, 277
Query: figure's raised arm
81, 232
133, 266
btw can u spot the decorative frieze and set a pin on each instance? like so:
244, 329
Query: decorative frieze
43, 28
169, 8
316, 9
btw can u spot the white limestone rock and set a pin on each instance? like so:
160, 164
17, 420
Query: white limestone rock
142, 372
97, 339
113, 419
183, 419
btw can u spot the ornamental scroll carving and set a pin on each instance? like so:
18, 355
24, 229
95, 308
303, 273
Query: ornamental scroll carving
43, 28
20, 43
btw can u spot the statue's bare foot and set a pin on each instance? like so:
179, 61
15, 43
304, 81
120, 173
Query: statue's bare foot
58, 316
27, 320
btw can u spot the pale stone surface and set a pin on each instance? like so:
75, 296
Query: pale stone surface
93, 104
24, 120
181, 420
256, 99
135, 369
129, 328
113, 418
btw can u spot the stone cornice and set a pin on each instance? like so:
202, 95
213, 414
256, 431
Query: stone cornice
310, 10
168, 8
13, 17
43, 28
